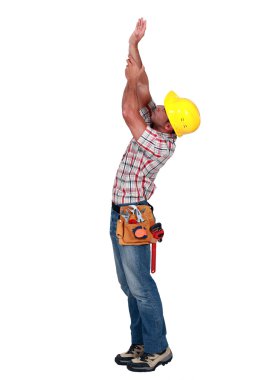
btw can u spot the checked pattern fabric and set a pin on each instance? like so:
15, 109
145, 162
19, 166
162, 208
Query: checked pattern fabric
142, 160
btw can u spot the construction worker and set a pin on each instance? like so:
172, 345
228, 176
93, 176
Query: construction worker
155, 129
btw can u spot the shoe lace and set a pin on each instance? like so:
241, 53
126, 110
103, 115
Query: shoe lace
133, 348
145, 356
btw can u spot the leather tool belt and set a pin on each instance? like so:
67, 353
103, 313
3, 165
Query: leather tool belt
133, 226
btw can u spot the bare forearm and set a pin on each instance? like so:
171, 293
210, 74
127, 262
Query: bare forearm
134, 52
130, 99
142, 95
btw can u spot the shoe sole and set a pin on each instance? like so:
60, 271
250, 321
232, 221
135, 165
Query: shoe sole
122, 362
136, 369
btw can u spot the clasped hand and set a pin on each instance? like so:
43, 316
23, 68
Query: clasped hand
132, 71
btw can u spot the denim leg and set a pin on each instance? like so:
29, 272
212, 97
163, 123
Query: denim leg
136, 264
136, 325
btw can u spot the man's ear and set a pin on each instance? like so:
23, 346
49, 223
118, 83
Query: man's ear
167, 126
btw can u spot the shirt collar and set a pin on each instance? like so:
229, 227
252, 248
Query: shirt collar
168, 136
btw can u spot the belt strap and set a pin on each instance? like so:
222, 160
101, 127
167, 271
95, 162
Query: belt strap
117, 208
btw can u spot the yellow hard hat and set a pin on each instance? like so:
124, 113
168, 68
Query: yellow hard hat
182, 113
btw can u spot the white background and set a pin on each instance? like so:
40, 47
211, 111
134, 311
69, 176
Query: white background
62, 137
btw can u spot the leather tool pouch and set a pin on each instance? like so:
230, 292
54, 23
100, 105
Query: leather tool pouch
133, 226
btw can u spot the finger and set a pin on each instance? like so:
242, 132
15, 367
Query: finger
132, 61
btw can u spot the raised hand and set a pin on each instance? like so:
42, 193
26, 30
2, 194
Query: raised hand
132, 70
138, 32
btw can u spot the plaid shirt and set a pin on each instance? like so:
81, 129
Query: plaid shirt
134, 181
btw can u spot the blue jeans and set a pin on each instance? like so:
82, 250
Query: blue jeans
145, 307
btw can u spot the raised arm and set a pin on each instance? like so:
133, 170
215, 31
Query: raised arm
143, 93
130, 104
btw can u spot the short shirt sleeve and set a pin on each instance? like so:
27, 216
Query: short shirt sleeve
145, 112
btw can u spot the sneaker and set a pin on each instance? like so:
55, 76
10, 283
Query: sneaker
148, 362
134, 352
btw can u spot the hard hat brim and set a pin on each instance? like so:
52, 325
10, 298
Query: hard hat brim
171, 97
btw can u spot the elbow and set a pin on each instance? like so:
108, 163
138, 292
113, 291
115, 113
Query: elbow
127, 113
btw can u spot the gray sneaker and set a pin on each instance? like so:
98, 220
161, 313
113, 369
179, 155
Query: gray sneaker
134, 351
148, 362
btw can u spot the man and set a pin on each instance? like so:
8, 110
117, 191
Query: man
155, 130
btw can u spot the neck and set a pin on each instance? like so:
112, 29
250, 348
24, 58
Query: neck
158, 128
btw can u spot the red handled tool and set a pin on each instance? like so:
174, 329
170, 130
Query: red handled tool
157, 233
